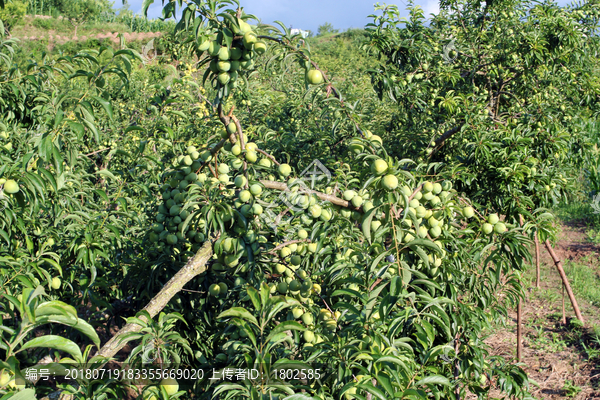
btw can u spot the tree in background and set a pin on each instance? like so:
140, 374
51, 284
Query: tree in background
491, 94
11, 14
81, 11
326, 29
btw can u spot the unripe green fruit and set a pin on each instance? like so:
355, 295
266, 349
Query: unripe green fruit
223, 78
280, 268
228, 245
4, 378
55, 283
420, 212
224, 66
223, 168
223, 288
236, 150
284, 252
265, 162
376, 139
204, 45
437, 188
249, 40
170, 385
296, 260
294, 285
172, 239
499, 228
427, 187
493, 219
390, 182
357, 201
375, 225
282, 287
308, 319
326, 214
468, 212
314, 77
297, 312
214, 290
302, 234
487, 228
309, 336
348, 195
223, 53
285, 170
231, 128
11, 186
315, 210
173, 211
256, 189
251, 156
312, 247
260, 48
257, 209
379, 167
367, 205
435, 232
240, 181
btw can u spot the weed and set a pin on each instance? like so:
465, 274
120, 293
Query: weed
570, 389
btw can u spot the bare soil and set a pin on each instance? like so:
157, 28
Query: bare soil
553, 354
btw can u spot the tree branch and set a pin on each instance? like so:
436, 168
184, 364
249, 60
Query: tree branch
326, 197
195, 266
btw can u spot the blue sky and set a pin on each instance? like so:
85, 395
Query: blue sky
306, 14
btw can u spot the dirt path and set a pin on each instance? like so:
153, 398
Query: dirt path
555, 355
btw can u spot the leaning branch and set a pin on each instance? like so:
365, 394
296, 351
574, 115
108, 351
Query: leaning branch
195, 266
326, 197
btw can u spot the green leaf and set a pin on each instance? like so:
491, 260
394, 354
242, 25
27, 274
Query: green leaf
286, 326
106, 173
25, 394
239, 312
78, 324
253, 294
434, 380
55, 307
300, 396
105, 104
54, 342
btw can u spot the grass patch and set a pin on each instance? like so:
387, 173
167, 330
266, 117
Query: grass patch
585, 280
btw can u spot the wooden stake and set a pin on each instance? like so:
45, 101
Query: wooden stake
537, 260
564, 318
565, 281
519, 315
519, 333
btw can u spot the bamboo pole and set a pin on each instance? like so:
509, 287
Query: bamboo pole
565, 281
